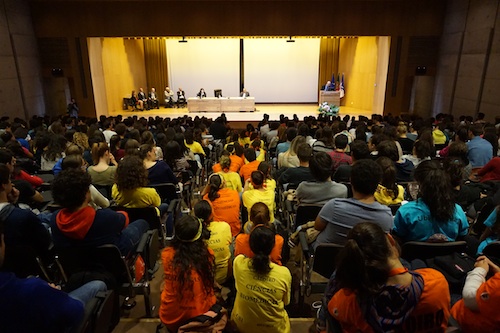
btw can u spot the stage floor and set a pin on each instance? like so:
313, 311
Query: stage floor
273, 110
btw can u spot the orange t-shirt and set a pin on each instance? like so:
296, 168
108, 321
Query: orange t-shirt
236, 163
487, 318
227, 208
247, 169
430, 315
242, 246
174, 310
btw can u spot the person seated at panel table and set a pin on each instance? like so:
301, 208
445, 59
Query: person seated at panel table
181, 97
244, 93
201, 93
329, 86
169, 97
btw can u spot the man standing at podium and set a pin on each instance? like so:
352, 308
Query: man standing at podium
244, 93
328, 86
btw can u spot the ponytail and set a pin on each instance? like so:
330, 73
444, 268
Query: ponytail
98, 151
215, 182
262, 241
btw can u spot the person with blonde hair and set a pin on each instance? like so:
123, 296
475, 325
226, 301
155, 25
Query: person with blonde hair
289, 159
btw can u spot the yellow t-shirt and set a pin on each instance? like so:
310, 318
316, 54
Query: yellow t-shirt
138, 198
251, 197
220, 239
195, 147
384, 196
260, 300
233, 180
262, 155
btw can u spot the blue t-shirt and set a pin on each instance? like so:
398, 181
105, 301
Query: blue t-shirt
489, 222
413, 222
31, 305
480, 151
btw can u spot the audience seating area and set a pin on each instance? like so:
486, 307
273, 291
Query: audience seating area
462, 170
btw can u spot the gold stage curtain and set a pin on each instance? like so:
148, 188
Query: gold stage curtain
328, 59
155, 59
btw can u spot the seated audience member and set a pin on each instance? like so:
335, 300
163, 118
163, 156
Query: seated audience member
225, 202
27, 195
232, 179
217, 166
115, 148
269, 182
480, 151
477, 310
52, 152
194, 146
458, 150
219, 241
359, 151
188, 266
7, 157
388, 192
108, 129
376, 293
338, 216
237, 156
325, 141
403, 139
289, 158
339, 157
282, 147
404, 167
252, 165
258, 146
439, 136
102, 173
491, 171
175, 158
244, 137
21, 226
259, 215
322, 188
78, 224
158, 171
72, 149
268, 315
294, 176
33, 305
97, 199
463, 194
434, 216
130, 189
492, 231
422, 151
258, 193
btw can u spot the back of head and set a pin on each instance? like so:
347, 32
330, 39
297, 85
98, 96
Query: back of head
291, 133
365, 176
341, 141
225, 162
203, 210
476, 129
4, 174
422, 148
121, 129
359, 150
70, 188
304, 152
362, 264
98, 151
435, 190
6, 156
250, 154
389, 149
259, 214
265, 168
454, 167
144, 149
321, 166
262, 240
131, 173
460, 150
388, 174
72, 162
215, 182
257, 178
132, 147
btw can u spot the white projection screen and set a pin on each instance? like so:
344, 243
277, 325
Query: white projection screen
204, 63
281, 72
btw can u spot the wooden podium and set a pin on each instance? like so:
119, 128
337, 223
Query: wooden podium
331, 97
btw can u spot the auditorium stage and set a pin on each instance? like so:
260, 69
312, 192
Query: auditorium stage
273, 110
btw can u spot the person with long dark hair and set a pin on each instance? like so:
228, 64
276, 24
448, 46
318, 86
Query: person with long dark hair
434, 216
375, 293
388, 191
219, 241
188, 274
263, 288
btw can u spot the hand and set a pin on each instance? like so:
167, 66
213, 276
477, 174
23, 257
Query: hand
494, 268
112, 159
54, 286
482, 262
13, 196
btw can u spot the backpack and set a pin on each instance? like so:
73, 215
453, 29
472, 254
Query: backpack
454, 267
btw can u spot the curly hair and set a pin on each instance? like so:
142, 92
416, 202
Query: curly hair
191, 256
82, 140
131, 173
70, 188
